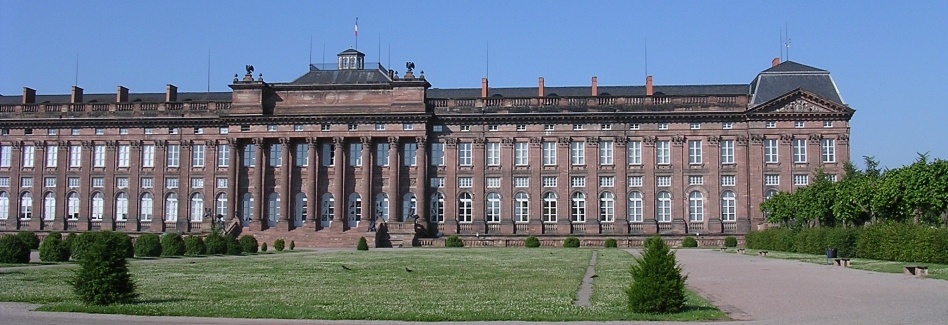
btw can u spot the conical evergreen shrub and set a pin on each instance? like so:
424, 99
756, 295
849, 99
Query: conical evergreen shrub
657, 284
363, 245
102, 277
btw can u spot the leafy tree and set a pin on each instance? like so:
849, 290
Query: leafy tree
53, 249
102, 277
657, 284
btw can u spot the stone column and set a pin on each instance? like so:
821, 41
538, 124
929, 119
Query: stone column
134, 186
338, 187
286, 195
679, 160
183, 222
712, 183
108, 193
563, 159
259, 172
649, 186
421, 179
158, 185
450, 190
312, 197
394, 185
368, 197
39, 186
593, 171
85, 195
61, 200
621, 159
509, 193
478, 191
233, 183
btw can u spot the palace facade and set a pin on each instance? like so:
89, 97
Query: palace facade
338, 152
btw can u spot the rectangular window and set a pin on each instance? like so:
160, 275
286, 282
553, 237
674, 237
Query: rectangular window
663, 126
798, 124
52, 156
352, 127
727, 125
437, 154
49, 182
465, 157
549, 182
465, 182
381, 154
548, 127
577, 127
170, 131
770, 151
302, 155
26, 182
577, 181
727, 151
329, 155
663, 181
728, 180
99, 131
606, 149
124, 154
98, 156
409, 155
74, 132
635, 181
663, 152
695, 180
221, 182
148, 131
772, 180
75, 156
493, 154
695, 126
198, 130
607, 181
276, 155
493, 182
223, 155
635, 152
28, 153
800, 179
4, 182
173, 155
771, 125
148, 155
694, 152
577, 153
521, 127
827, 124
493, 128
224, 130
121, 182
147, 182
633, 126
437, 182
605, 126
549, 153
171, 182
380, 127
355, 154
250, 155
521, 182
297, 127
465, 128
271, 128
408, 126
832, 178
6, 154
828, 150
98, 182
521, 154
73, 182
437, 128
799, 151
197, 182
325, 127
197, 155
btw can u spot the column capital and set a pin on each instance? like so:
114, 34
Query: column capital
285, 141
650, 140
258, 142
621, 141
421, 141
111, 144
211, 143
393, 141
679, 140
39, 144
86, 144
365, 140
714, 140
63, 145
17, 145
757, 139
742, 140
233, 143
136, 144
338, 141
843, 138
312, 142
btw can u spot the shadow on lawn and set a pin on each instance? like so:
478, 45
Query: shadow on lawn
157, 301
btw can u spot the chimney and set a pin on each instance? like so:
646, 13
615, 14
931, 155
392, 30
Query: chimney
483, 87
648, 86
775, 62
121, 95
391, 74
595, 87
171, 93
76, 96
29, 95
541, 87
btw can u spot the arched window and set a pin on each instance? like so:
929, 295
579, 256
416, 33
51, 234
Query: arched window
355, 208
381, 207
522, 207
246, 207
72, 206
220, 207
197, 207
607, 207
695, 206
171, 207
146, 206
409, 206
26, 206
549, 207
329, 207
4, 206
121, 206
49, 206
437, 208
98, 206
663, 209
465, 208
728, 206
273, 208
299, 209
578, 207
769, 193
635, 207
493, 207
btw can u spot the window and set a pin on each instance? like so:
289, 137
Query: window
635, 207
607, 207
605, 126
74, 132
493, 154
147, 182
223, 130
75, 156
6, 154
548, 127
663, 126
353, 127
170, 131
607, 181
727, 151
605, 153
409, 207
171, 182
98, 182
694, 152
577, 127
325, 127
832, 178
549, 181
121, 182
98, 156
521, 207
28, 153
223, 155
437, 128
381, 154
521, 154
329, 155
52, 156
220, 205
521, 182
549, 207
171, 207
355, 154
26, 182
695, 126
147, 131
465, 182
493, 182
577, 153
49, 206
549, 153
770, 151
437, 182
728, 206
197, 155
771, 125
173, 155
695, 180
799, 151
437, 154
801, 180
409, 154
146, 207
695, 207
772, 180
663, 181
302, 155
276, 155
465, 154
727, 125
578, 207
99, 131
465, 208
635, 181
521, 127
635, 152
197, 207
271, 128
828, 150
197, 182
98, 206
492, 128
4, 206
662, 152
380, 127
663, 207
246, 203
148, 155
27, 131
124, 152
465, 128
26, 206
827, 124
728, 180
408, 126
4, 182
297, 127
198, 130
633, 126
577, 181
798, 124
49, 182
73, 182
72, 206
222, 182
273, 209
493, 207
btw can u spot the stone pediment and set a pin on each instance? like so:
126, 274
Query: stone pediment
801, 102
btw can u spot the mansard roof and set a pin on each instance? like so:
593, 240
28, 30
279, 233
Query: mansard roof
342, 77
132, 97
787, 77
670, 90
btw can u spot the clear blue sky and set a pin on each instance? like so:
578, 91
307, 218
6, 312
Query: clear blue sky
888, 59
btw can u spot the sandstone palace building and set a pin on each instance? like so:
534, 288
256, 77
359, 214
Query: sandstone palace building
339, 152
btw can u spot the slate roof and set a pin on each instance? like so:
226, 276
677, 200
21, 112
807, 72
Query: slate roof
674, 90
342, 77
789, 76
132, 97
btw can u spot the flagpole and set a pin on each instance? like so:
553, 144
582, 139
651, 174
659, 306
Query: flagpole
357, 34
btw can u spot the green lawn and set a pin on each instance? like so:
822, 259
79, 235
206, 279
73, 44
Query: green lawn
469, 284
935, 271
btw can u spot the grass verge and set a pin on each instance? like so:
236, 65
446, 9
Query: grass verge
935, 271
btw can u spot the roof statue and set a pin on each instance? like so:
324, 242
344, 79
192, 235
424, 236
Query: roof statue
249, 68
409, 65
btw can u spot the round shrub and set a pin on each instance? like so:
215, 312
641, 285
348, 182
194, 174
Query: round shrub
453, 241
194, 245
172, 245
571, 242
215, 244
248, 244
148, 245
362, 246
730, 241
689, 242
13, 250
657, 284
279, 244
531, 242
102, 277
53, 249
610, 243
233, 246
263, 247
29, 238
292, 244
82, 243
129, 247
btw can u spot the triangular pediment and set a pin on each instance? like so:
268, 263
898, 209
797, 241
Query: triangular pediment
800, 101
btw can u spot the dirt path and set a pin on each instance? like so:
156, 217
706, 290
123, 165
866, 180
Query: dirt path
586, 289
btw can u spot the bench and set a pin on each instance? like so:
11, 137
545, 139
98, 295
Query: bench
844, 262
916, 270
740, 251
723, 249
762, 253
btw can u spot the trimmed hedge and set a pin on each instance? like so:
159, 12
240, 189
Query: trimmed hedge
215, 244
610, 243
82, 243
892, 242
571, 242
248, 244
689, 242
29, 238
53, 249
730, 241
453, 241
233, 246
279, 244
531, 242
363, 245
148, 245
172, 245
194, 245
128, 246
14, 250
